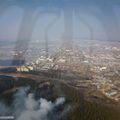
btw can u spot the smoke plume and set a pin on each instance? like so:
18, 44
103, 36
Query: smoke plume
25, 107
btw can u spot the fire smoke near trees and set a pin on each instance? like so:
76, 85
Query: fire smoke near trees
25, 107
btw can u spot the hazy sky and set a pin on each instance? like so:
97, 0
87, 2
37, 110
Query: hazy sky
91, 20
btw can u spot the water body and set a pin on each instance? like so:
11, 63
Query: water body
11, 62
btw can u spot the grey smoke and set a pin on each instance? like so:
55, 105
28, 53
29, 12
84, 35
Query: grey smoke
25, 107
19, 100
59, 101
17, 105
38, 110
4, 109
